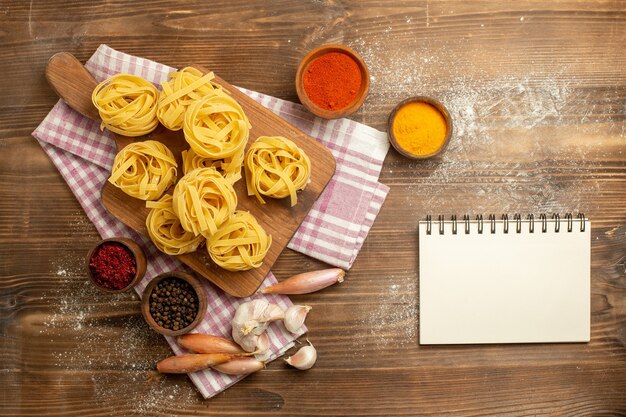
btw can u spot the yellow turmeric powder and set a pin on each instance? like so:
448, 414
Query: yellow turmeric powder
419, 128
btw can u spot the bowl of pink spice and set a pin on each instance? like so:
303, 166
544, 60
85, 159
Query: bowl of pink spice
332, 81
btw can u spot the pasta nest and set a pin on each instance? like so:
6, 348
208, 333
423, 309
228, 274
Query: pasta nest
230, 167
203, 200
183, 88
127, 105
216, 127
277, 168
165, 230
239, 244
144, 170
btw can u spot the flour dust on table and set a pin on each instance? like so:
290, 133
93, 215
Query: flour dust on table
395, 313
76, 322
492, 118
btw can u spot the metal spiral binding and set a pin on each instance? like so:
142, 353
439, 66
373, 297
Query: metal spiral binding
581, 216
557, 222
544, 223
518, 222
517, 218
492, 220
570, 221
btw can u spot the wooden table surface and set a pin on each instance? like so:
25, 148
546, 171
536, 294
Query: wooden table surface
537, 91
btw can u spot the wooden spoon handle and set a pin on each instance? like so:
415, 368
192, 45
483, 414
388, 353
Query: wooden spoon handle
72, 83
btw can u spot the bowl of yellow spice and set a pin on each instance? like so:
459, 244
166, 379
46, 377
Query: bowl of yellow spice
420, 127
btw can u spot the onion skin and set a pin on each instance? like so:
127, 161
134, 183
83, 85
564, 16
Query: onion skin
192, 362
206, 343
307, 282
240, 366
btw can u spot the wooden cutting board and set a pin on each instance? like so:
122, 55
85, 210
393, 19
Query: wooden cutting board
276, 216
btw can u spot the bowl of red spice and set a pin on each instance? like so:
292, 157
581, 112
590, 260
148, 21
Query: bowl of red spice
115, 265
174, 303
332, 81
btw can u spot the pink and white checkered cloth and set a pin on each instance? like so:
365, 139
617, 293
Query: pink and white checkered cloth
333, 231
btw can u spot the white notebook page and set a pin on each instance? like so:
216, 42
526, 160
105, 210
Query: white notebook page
504, 287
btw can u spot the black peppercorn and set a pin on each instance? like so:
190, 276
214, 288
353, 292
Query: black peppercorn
174, 303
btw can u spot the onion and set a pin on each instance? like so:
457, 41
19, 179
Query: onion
192, 362
206, 343
307, 282
240, 366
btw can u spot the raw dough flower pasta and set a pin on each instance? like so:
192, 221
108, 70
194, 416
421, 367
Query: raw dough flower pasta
144, 170
127, 105
239, 244
203, 201
216, 127
183, 88
229, 167
276, 168
165, 230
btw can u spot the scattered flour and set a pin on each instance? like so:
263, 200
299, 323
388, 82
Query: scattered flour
392, 321
501, 126
82, 320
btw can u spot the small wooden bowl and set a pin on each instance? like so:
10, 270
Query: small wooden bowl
200, 293
423, 99
314, 108
140, 262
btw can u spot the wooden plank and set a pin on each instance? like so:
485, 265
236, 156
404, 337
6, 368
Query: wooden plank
67, 350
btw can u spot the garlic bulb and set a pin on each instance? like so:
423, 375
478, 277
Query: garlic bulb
304, 358
251, 320
294, 317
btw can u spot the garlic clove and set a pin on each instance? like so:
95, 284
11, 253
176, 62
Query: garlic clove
263, 343
263, 347
295, 316
248, 342
304, 358
273, 313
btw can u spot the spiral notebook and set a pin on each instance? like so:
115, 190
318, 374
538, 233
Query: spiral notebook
504, 280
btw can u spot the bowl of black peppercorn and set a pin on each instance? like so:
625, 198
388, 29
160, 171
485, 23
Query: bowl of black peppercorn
174, 303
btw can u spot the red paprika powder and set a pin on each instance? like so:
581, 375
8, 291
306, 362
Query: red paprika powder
332, 81
113, 266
